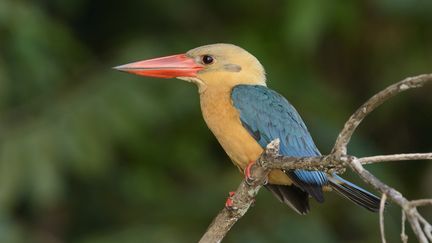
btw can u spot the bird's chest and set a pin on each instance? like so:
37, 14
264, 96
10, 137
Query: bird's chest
224, 121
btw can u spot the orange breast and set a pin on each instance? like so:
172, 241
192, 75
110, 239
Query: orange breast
224, 121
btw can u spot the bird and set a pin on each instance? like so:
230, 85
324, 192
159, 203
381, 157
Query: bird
245, 116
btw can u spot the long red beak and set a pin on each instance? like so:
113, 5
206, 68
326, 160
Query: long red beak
163, 67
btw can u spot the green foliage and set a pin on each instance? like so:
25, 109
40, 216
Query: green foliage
91, 155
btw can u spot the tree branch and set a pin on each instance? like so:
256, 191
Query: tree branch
241, 200
336, 161
340, 147
395, 157
381, 214
421, 202
403, 235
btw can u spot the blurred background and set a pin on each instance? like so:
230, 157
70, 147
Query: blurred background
90, 155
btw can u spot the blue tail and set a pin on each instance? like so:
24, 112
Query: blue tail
354, 193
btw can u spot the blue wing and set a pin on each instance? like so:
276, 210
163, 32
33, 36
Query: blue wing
267, 115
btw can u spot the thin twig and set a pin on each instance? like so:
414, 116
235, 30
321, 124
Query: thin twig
340, 147
421, 202
427, 227
381, 213
404, 236
412, 216
395, 157
411, 212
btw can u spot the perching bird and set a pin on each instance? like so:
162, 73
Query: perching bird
245, 115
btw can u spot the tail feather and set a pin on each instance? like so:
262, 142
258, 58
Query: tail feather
293, 196
315, 190
354, 193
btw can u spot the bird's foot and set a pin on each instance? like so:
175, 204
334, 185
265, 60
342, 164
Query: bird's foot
229, 204
248, 175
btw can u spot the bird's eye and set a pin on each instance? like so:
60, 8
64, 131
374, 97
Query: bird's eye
207, 59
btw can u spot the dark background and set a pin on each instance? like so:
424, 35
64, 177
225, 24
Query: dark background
88, 154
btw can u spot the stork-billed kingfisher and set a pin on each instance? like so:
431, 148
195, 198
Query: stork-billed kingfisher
245, 115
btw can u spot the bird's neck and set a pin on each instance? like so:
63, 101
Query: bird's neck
216, 103
218, 112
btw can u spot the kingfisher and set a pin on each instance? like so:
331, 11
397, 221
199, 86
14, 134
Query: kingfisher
245, 115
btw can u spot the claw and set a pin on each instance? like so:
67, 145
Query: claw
247, 172
265, 181
229, 204
253, 202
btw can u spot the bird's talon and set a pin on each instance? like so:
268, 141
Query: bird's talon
229, 204
249, 181
248, 175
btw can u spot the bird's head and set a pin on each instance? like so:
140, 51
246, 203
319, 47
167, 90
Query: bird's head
207, 66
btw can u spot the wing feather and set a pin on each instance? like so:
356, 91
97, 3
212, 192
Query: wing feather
267, 115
